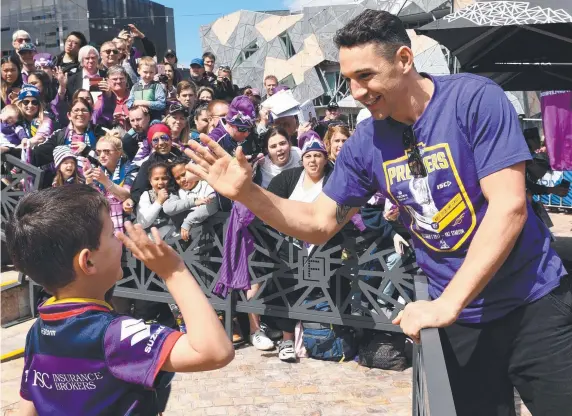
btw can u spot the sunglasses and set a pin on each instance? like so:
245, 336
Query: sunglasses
164, 138
111, 52
224, 68
30, 102
21, 40
242, 129
106, 152
414, 160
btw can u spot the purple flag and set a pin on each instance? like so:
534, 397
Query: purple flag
557, 121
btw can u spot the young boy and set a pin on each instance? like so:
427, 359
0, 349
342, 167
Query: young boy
81, 357
147, 92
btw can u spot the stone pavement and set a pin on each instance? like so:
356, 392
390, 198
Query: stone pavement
259, 384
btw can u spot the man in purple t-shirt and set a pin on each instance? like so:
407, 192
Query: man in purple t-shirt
449, 152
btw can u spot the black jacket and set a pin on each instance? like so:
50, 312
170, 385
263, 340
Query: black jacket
141, 183
75, 82
69, 67
285, 182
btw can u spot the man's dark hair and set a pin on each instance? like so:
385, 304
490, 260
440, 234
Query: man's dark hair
374, 26
209, 55
80, 36
49, 227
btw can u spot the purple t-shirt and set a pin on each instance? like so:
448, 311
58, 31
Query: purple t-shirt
81, 358
468, 131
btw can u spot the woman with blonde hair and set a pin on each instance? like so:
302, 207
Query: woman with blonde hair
110, 176
334, 139
178, 122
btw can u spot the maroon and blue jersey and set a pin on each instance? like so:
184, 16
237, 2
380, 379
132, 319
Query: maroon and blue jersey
82, 358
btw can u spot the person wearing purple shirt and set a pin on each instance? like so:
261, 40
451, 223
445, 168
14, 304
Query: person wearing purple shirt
449, 153
82, 357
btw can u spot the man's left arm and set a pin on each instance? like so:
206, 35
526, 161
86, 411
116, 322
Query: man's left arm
500, 155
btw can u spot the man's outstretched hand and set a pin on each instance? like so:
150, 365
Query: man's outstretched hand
229, 176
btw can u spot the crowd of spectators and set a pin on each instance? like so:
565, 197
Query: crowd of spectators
120, 119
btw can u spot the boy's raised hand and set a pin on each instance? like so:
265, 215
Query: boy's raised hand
156, 254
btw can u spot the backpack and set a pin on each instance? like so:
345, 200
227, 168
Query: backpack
385, 350
329, 342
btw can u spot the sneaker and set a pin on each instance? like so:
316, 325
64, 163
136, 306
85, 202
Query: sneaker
286, 351
273, 334
261, 342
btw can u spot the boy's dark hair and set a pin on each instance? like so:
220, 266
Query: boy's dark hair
49, 227
181, 160
374, 26
209, 55
80, 36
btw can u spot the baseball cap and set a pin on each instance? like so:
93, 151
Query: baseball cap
178, 108
255, 92
199, 62
27, 47
241, 112
170, 52
44, 59
333, 106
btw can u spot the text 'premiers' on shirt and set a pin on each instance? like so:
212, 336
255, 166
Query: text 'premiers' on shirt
468, 131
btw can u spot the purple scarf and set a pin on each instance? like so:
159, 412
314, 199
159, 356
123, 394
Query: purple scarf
239, 245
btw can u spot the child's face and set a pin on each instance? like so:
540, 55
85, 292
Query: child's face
146, 72
67, 167
10, 115
159, 179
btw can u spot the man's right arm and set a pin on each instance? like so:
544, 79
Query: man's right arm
313, 223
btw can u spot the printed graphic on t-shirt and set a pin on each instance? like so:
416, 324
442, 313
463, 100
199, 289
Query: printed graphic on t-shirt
442, 215
147, 94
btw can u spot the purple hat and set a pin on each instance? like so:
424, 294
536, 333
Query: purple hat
279, 88
307, 136
314, 144
241, 112
44, 59
255, 92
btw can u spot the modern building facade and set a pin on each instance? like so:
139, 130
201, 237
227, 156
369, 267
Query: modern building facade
298, 47
49, 21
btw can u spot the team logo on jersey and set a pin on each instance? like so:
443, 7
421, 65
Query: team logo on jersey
136, 329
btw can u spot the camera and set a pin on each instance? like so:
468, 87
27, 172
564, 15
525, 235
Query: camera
163, 79
127, 29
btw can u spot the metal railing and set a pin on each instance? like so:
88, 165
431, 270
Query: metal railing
352, 278
431, 388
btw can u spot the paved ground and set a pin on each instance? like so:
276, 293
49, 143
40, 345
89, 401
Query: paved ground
258, 383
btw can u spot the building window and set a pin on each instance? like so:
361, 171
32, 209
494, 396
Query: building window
286, 44
246, 53
288, 81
